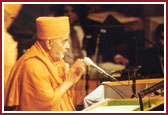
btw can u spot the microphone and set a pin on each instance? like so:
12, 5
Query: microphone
149, 90
152, 89
89, 62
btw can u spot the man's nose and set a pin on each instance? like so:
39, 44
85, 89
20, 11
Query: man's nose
67, 45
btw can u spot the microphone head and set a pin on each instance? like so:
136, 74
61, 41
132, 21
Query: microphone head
88, 61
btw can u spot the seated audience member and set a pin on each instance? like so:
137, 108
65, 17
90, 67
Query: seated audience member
152, 59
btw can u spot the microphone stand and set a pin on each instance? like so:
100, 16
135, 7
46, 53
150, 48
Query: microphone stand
96, 55
87, 81
149, 90
134, 70
134, 85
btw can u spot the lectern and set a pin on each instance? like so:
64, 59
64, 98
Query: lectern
121, 93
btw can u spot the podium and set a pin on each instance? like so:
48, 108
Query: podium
119, 105
118, 92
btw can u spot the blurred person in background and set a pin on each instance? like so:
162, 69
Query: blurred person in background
152, 59
10, 45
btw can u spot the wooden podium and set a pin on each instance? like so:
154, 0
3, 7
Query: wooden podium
119, 105
114, 94
125, 88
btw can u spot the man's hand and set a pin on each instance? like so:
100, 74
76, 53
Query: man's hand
73, 75
75, 72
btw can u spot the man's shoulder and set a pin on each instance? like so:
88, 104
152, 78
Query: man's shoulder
33, 62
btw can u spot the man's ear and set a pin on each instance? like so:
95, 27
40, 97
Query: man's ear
48, 44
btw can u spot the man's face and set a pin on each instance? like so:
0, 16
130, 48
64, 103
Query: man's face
69, 11
58, 48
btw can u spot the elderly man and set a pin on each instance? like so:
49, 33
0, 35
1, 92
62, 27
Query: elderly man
41, 80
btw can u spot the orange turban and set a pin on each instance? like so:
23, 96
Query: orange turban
12, 9
52, 27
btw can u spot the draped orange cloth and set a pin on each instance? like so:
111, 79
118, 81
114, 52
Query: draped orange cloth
34, 83
10, 55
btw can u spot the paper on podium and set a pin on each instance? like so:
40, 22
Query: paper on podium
94, 97
103, 92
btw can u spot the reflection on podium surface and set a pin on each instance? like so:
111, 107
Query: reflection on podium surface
112, 96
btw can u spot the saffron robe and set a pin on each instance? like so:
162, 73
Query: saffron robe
34, 83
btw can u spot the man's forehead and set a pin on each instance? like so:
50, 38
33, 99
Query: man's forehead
61, 39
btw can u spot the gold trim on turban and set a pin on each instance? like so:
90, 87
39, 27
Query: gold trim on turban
52, 27
12, 9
